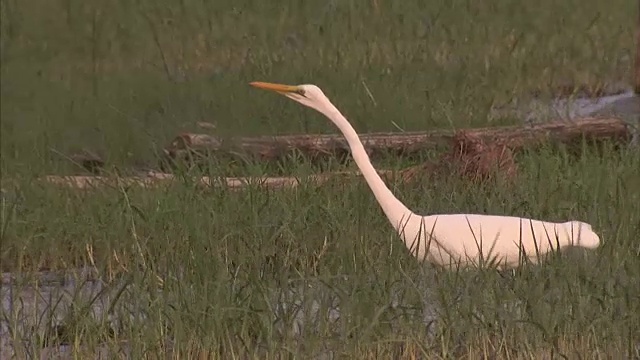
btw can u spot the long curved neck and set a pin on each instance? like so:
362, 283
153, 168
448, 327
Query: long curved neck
396, 211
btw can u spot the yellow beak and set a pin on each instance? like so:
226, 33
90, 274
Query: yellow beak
274, 87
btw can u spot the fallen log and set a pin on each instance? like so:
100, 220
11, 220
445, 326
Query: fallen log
155, 179
190, 147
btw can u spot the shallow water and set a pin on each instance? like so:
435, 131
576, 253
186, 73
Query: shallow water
37, 309
625, 105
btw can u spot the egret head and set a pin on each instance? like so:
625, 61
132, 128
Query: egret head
308, 95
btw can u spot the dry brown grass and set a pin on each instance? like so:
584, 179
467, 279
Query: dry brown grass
472, 158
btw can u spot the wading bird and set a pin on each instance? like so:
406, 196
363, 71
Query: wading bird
450, 240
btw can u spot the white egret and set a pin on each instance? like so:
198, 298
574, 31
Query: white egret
450, 240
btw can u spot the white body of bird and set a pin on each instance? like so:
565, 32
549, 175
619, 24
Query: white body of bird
500, 241
450, 240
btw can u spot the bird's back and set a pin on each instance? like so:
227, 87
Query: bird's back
473, 238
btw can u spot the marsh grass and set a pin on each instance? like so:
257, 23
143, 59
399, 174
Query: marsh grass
262, 274
317, 270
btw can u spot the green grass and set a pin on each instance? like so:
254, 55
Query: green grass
232, 252
123, 78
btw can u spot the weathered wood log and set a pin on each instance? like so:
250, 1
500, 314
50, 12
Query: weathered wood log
193, 146
155, 179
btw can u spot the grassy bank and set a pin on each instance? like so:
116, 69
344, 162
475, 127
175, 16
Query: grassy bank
122, 78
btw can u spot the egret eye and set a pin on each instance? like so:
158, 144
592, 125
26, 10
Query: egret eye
301, 92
